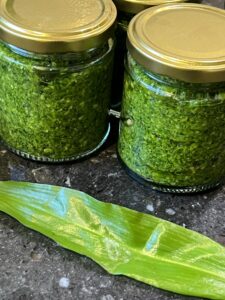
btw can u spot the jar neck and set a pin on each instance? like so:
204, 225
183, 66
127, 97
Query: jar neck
87, 56
136, 69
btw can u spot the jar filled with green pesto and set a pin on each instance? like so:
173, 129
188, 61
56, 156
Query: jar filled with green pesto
56, 65
172, 128
127, 9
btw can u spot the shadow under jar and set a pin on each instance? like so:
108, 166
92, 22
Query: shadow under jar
55, 78
172, 129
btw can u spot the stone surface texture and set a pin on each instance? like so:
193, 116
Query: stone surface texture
34, 267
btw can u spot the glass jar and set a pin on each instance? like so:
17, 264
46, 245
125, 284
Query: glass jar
172, 129
55, 94
127, 9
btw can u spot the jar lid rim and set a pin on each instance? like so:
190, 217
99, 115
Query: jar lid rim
175, 40
135, 6
61, 26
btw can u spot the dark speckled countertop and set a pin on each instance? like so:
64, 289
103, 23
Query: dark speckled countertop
34, 267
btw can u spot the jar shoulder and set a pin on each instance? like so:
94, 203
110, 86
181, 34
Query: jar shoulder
167, 87
63, 61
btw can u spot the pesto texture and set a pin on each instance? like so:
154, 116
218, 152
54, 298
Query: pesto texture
172, 133
54, 107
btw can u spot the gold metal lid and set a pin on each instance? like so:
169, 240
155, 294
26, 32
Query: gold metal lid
135, 6
49, 26
183, 41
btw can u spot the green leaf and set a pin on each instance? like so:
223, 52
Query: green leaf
121, 240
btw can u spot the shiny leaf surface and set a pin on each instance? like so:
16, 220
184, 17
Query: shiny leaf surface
121, 240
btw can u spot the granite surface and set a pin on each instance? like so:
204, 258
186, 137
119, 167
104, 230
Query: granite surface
34, 267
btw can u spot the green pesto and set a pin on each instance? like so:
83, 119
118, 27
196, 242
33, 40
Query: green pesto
54, 107
172, 133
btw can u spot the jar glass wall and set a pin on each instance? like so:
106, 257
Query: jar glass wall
172, 133
55, 107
